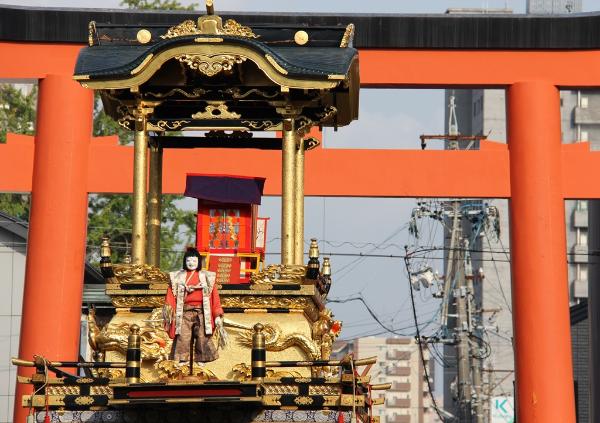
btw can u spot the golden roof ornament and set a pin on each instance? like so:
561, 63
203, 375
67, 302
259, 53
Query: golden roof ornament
209, 24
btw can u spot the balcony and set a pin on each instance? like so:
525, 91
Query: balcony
399, 371
398, 419
398, 355
400, 387
398, 403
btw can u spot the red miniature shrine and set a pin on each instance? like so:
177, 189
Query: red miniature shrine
229, 233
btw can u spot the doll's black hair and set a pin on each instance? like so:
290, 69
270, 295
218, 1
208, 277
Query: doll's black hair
192, 252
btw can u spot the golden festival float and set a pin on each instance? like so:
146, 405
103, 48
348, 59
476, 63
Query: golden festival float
255, 343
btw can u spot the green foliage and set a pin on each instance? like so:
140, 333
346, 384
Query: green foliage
17, 111
157, 4
16, 205
107, 214
104, 125
17, 115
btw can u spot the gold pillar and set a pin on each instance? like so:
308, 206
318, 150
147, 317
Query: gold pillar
154, 205
140, 176
287, 191
299, 202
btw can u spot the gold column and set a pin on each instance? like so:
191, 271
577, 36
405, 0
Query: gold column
140, 176
154, 205
287, 191
299, 202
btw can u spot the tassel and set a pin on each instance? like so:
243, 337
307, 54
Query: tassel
223, 338
340, 418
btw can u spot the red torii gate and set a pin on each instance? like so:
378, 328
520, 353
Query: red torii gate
535, 171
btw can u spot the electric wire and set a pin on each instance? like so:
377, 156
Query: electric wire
418, 339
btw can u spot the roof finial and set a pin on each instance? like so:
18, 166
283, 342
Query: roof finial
210, 8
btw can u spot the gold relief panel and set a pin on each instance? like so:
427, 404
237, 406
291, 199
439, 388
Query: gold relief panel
303, 400
324, 390
271, 400
275, 340
209, 25
277, 389
101, 390
280, 274
270, 302
211, 64
139, 273
62, 390
216, 111
147, 301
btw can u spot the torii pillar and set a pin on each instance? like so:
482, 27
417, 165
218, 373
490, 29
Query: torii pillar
543, 365
57, 226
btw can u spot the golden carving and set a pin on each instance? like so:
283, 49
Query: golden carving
164, 125
259, 124
101, 390
272, 400
132, 273
84, 380
275, 341
187, 27
216, 111
268, 301
195, 93
62, 390
237, 93
155, 342
172, 370
324, 390
210, 64
149, 301
85, 400
230, 27
303, 124
91, 32
348, 36
277, 389
303, 400
280, 273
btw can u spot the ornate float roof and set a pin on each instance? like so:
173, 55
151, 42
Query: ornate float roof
218, 74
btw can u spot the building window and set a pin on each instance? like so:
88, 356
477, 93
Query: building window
584, 102
585, 136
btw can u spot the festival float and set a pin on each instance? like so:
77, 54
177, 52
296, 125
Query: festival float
228, 337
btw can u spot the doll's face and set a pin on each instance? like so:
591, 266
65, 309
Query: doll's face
191, 263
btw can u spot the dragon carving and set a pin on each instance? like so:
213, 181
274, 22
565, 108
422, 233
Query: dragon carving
275, 341
155, 343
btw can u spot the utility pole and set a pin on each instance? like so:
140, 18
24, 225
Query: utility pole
463, 353
474, 319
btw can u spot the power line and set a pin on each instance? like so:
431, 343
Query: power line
418, 339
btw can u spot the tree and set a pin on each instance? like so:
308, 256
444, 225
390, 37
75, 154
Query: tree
107, 214
17, 115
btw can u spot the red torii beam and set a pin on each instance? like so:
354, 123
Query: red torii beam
535, 171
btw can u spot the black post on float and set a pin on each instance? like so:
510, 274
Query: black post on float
259, 353
134, 356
